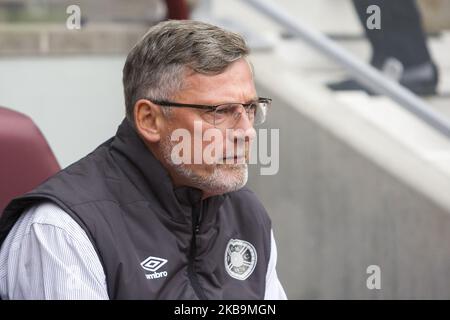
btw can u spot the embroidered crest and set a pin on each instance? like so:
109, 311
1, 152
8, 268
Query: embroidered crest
240, 259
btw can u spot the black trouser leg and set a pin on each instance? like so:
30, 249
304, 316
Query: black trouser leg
401, 34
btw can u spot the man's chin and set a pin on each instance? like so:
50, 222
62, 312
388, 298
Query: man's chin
218, 178
231, 177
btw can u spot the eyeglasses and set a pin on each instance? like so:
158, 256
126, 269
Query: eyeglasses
226, 115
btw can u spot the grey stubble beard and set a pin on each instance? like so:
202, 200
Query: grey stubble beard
224, 178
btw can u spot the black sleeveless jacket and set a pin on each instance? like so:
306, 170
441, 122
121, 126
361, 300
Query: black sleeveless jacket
154, 241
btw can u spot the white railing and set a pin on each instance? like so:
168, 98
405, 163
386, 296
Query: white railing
367, 75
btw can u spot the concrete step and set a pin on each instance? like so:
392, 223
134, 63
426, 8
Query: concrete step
56, 39
401, 125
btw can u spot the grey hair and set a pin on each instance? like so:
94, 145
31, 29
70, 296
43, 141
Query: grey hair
158, 63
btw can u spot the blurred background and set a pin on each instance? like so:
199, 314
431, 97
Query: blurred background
364, 175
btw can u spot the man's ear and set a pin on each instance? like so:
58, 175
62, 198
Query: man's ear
148, 119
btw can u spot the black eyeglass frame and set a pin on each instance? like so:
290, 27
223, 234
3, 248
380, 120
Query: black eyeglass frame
163, 103
213, 108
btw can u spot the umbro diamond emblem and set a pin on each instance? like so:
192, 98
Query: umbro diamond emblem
153, 264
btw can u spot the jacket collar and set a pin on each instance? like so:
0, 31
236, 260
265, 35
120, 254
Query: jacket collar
150, 177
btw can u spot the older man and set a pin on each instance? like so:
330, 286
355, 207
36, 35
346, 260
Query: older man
131, 221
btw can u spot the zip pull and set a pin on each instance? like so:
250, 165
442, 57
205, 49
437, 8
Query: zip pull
196, 218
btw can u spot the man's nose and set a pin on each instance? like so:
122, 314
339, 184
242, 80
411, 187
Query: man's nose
244, 130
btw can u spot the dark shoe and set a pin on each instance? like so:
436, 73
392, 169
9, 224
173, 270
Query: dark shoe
348, 85
421, 79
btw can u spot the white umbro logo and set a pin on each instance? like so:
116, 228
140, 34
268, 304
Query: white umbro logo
153, 264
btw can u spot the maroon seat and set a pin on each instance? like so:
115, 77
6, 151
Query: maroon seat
26, 160
177, 9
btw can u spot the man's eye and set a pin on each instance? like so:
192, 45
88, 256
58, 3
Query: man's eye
225, 110
222, 111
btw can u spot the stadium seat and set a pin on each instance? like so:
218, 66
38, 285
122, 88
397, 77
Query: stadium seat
26, 159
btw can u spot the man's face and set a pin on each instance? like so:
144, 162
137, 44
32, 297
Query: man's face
226, 170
